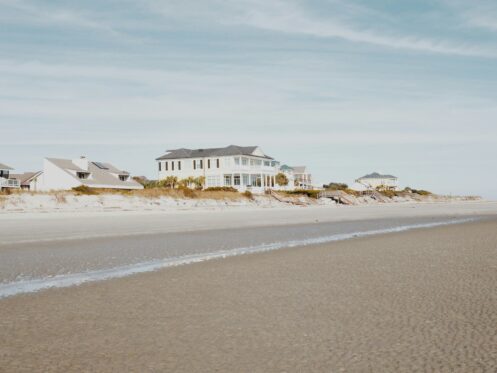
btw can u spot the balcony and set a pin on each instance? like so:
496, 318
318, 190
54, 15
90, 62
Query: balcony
9, 183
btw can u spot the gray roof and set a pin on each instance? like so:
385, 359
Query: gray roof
100, 177
25, 178
299, 169
5, 167
211, 152
376, 175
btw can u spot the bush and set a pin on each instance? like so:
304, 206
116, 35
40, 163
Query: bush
281, 179
248, 194
388, 193
336, 186
422, 192
83, 189
309, 193
221, 189
187, 192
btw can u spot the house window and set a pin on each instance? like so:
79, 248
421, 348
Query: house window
201, 164
172, 165
123, 177
237, 161
217, 163
246, 179
179, 165
227, 180
244, 161
208, 163
267, 163
213, 181
166, 164
83, 175
160, 164
256, 180
236, 180
194, 164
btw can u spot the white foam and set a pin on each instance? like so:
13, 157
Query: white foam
66, 280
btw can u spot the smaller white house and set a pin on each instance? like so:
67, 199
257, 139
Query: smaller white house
65, 174
375, 181
29, 180
6, 180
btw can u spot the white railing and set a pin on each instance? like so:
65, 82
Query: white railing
9, 183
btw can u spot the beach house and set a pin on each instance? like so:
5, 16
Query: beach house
64, 174
303, 179
376, 180
241, 167
6, 181
28, 180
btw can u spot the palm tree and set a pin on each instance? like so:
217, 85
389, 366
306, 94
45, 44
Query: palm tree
169, 182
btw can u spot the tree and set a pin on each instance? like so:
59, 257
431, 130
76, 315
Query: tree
281, 179
169, 182
199, 182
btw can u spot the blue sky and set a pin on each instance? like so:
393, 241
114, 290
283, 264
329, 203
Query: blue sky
346, 87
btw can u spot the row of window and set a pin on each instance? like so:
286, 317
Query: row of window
253, 180
253, 162
197, 164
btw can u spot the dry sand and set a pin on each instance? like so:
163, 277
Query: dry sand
422, 300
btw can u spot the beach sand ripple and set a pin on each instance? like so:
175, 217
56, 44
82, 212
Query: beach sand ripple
422, 300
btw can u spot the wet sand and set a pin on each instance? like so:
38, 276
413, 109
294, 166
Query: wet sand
423, 300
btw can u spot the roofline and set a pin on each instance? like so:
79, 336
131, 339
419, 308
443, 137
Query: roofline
218, 156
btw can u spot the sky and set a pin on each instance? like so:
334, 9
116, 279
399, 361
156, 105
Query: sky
346, 87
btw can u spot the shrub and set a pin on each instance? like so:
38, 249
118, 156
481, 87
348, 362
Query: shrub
187, 192
221, 189
336, 186
303, 192
83, 189
248, 194
388, 193
281, 179
422, 192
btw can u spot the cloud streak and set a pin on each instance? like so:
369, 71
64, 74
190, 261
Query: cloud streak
290, 18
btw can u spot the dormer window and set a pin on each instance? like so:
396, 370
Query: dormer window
83, 175
123, 177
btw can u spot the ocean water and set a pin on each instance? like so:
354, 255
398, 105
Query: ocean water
31, 267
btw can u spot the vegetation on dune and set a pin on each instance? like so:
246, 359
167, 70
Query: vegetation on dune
221, 189
248, 194
84, 190
311, 193
336, 186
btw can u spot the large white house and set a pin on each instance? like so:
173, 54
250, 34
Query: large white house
376, 180
6, 181
241, 167
64, 174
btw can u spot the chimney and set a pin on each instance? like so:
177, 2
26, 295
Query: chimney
82, 162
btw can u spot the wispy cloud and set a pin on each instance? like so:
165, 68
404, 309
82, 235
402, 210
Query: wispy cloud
291, 18
37, 13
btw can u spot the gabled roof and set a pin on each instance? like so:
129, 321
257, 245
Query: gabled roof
103, 175
5, 167
25, 178
299, 169
376, 175
212, 152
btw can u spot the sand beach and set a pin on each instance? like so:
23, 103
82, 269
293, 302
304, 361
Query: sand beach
420, 300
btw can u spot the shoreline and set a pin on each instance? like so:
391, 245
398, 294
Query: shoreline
395, 302
9, 289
